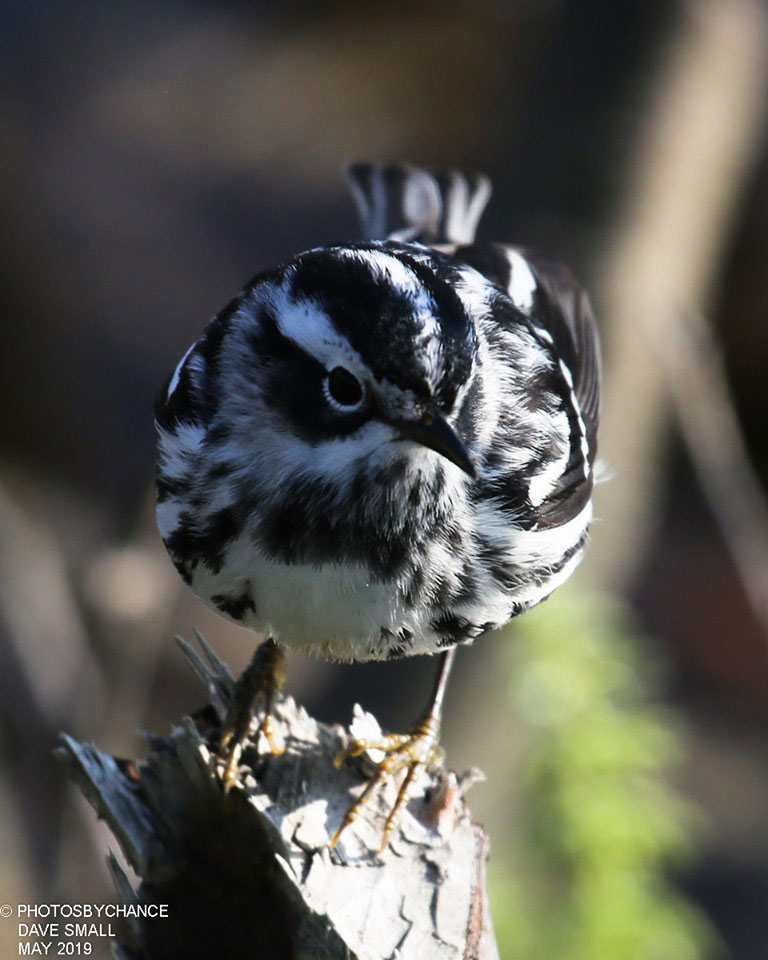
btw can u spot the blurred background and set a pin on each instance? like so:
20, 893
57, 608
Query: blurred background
154, 157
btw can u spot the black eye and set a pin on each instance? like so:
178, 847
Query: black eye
343, 388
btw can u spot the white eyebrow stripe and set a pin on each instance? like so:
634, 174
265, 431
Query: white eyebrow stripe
309, 326
303, 321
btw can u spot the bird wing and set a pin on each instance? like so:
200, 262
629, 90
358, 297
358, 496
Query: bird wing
563, 308
557, 309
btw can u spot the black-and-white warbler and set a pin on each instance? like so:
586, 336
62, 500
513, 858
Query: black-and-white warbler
385, 448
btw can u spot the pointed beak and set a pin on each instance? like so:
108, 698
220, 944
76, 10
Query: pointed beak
433, 430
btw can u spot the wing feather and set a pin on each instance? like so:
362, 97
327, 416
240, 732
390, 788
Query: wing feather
556, 307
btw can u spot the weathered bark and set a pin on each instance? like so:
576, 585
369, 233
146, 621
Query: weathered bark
249, 873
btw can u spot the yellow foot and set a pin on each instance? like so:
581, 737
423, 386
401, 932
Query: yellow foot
262, 679
231, 748
410, 752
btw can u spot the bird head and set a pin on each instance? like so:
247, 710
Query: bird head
351, 356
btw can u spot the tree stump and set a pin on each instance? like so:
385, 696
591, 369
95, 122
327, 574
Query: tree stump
250, 874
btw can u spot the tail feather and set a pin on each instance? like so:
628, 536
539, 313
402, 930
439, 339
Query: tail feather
400, 202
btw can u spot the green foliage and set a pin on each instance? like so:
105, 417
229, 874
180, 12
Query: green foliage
598, 824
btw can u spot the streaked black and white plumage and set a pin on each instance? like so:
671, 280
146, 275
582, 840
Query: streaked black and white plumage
385, 448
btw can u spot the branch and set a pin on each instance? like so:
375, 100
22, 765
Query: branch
250, 872
714, 438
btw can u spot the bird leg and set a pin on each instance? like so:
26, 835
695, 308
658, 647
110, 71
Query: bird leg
264, 677
409, 752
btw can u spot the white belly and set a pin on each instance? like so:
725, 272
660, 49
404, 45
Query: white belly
339, 612
329, 610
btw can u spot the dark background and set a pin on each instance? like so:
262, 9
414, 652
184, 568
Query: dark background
157, 155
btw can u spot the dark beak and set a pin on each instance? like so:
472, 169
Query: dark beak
433, 431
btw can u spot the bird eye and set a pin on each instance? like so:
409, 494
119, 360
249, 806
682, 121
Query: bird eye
343, 389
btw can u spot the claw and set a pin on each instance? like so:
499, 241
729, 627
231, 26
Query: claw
231, 762
409, 752
267, 729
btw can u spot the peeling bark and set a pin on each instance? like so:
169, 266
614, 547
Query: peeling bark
249, 873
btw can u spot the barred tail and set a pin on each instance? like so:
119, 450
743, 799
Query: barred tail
400, 202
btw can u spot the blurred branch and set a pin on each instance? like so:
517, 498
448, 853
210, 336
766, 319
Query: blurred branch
41, 625
45, 663
132, 593
709, 424
682, 196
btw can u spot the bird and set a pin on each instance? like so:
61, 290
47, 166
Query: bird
384, 447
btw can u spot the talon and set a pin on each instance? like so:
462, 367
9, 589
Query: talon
231, 766
275, 742
409, 752
344, 824
356, 748
402, 796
